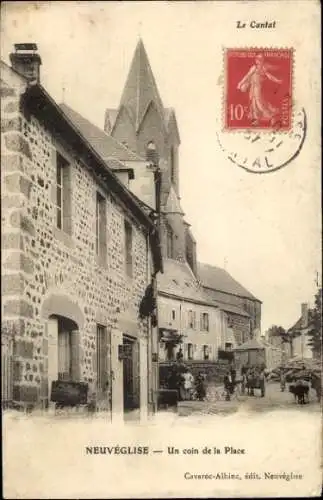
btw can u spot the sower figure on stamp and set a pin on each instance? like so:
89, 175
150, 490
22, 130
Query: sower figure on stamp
260, 108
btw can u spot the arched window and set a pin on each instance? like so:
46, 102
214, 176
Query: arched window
152, 154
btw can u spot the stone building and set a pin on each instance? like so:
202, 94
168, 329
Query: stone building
79, 252
243, 309
299, 335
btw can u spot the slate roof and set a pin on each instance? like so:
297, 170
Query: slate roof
111, 115
225, 306
110, 119
105, 145
140, 88
139, 92
178, 279
219, 279
173, 205
250, 344
297, 326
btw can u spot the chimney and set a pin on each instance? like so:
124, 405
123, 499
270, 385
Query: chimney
304, 315
26, 61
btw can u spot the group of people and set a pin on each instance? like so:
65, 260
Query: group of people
251, 377
188, 386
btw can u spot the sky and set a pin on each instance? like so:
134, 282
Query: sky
265, 229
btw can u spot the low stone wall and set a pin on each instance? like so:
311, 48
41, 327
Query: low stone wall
214, 370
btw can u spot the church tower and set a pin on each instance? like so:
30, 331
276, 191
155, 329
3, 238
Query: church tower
142, 119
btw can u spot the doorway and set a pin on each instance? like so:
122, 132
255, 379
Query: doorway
131, 374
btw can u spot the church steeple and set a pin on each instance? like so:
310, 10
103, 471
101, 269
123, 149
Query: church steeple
141, 118
140, 88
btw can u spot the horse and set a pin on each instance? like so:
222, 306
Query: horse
300, 389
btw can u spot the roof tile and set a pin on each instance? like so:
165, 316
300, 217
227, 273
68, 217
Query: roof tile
105, 145
219, 279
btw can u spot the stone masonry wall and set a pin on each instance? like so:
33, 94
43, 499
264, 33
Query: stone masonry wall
252, 307
240, 327
40, 262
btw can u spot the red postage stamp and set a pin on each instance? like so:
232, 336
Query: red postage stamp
258, 89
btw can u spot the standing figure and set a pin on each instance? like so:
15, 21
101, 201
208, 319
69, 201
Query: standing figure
259, 107
228, 386
282, 380
180, 355
186, 387
244, 371
200, 387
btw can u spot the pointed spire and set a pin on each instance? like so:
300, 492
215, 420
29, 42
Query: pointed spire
140, 88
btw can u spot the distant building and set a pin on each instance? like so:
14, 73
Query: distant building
299, 330
79, 252
242, 308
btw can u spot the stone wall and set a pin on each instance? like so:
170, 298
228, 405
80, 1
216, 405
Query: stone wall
43, 265
252, 307
240, 326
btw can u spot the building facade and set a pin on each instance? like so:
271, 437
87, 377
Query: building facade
242, 307
301, 347
78, 253
185, 314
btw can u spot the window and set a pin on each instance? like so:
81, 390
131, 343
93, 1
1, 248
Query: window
173, 314
67, 348
128, 248
64, 355
191, 319
170, 243
100, 227
205, 322
190, 351
152, 154
101, 357
206, 352
172, 165
63, 194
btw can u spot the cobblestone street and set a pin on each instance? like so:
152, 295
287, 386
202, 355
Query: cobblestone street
274, 399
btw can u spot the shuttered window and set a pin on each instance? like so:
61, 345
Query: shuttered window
204, 322
191, 319
63, 194
100, 227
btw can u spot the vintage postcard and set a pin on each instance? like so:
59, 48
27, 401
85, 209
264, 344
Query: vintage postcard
161, 331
